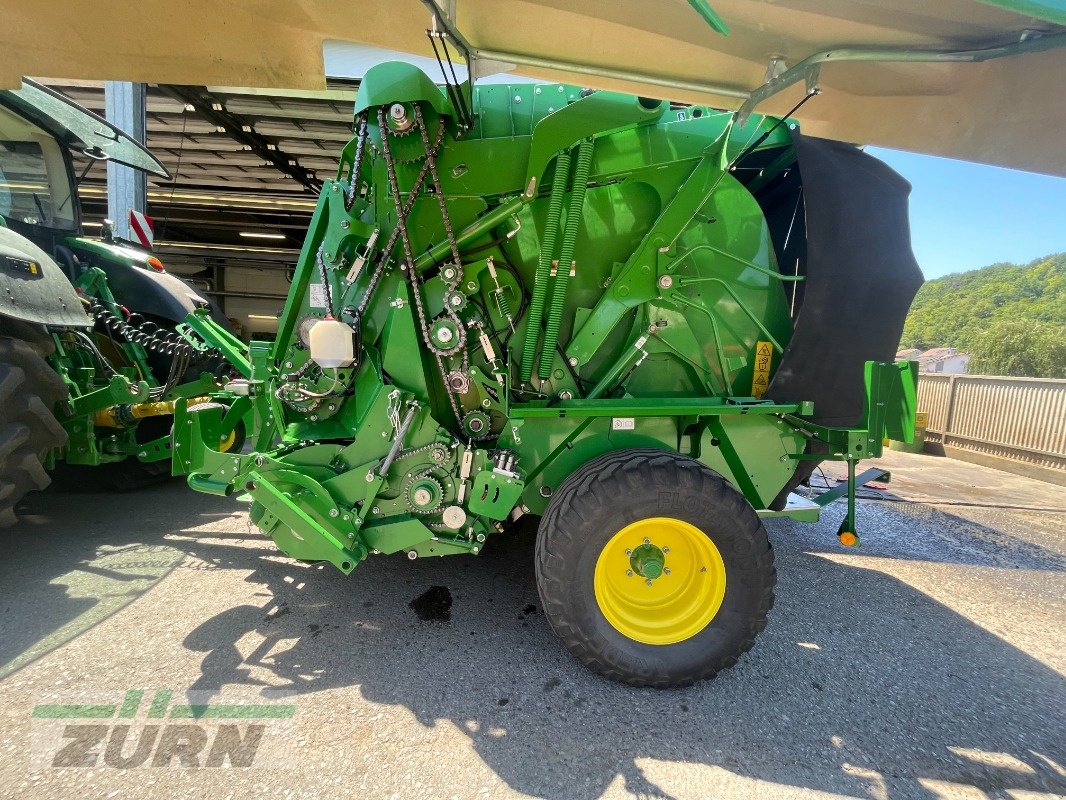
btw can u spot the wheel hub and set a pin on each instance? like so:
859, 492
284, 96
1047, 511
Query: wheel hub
648, 561
660, 580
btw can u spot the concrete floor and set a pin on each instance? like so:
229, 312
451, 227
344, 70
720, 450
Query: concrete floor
928, 663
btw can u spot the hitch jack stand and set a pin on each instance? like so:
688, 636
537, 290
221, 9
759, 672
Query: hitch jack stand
846, 533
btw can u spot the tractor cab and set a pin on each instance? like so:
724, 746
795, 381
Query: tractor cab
39, 130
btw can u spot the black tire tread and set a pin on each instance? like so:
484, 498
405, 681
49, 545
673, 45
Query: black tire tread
29, 430
559, 534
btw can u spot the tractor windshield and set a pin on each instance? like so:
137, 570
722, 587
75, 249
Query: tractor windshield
35, 187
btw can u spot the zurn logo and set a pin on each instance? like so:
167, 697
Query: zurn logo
161, 730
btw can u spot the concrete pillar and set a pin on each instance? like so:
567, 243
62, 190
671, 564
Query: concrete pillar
124, 107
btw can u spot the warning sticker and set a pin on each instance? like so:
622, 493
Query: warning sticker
764, 354
623, 423
317, 295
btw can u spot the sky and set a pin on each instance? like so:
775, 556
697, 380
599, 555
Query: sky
965, 216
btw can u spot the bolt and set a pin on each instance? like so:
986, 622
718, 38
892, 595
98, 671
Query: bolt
259, 461
142, 454
288, 365
666, 550
648, 582
518, 98
565, 395
629, 573
573, 361
411, 554
334, 512
545, 491
369, 477
376, 510
346, 224
444, 335
332, 407
647, 540
537, 90
666, 281
629, 552
480, 537
475, 550
351, 536
666, 570
314, 417
398, 112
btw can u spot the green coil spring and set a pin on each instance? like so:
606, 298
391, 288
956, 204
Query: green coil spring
574, 218
540, 282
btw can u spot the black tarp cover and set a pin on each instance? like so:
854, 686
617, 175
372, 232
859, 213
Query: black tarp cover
861, 279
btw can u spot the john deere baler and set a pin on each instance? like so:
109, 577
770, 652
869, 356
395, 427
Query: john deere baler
644, 323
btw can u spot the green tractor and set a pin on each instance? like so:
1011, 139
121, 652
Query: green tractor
92, 353
644, 323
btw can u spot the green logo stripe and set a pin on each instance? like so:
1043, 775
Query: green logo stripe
73, 712
220, 711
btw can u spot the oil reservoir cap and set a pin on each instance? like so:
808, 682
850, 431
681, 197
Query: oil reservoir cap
332, 343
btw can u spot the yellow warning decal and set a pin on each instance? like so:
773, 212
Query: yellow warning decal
33, 268
764, 353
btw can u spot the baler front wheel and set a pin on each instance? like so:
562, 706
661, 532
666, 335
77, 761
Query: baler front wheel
653, 569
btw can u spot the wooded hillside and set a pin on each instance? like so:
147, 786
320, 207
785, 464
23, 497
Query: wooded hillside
1010, 317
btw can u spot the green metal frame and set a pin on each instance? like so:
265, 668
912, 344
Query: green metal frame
646, 272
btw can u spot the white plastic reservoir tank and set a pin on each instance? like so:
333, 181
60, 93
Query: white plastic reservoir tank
332, 343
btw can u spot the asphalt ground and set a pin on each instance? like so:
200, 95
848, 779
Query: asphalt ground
927, 663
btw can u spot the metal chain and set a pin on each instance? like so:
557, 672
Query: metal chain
402, 213
357, 166
412, 272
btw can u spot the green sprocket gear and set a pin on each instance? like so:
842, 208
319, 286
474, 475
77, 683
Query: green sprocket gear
423, 494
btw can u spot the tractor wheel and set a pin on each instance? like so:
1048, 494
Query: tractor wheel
29, 430
653, 569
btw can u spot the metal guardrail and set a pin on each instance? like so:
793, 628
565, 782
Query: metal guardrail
1022, 420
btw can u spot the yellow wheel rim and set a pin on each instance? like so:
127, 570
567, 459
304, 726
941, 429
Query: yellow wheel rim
227, 441
659, 580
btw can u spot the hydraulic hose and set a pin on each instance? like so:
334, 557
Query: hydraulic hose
544, 265
575, 216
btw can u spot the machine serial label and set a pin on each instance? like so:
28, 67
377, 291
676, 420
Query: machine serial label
317, 295
623, 423
764, 354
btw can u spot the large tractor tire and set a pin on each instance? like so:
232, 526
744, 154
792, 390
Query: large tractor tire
29, 392
653, 569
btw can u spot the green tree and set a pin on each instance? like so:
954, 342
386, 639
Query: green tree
1019, 348
958, 310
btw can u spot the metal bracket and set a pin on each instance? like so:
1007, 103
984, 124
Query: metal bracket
808, 69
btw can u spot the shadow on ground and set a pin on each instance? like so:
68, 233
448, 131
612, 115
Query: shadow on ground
57, 581
860, 684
